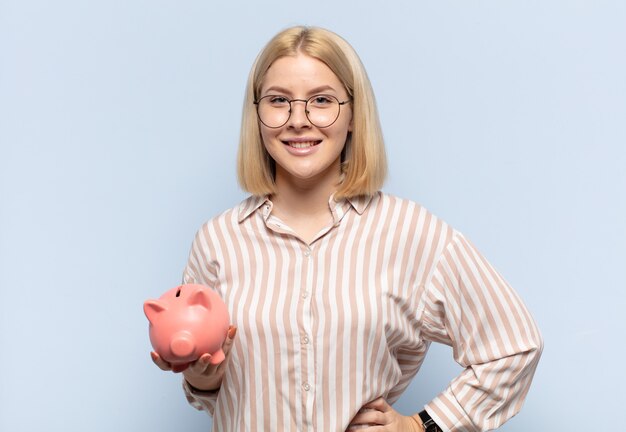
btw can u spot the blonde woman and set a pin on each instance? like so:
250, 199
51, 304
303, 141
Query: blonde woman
335, 289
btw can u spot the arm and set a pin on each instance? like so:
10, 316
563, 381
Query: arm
470, 307
202, 381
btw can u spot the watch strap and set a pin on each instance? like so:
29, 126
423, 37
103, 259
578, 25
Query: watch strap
428, 423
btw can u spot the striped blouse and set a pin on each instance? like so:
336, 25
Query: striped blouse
325, 327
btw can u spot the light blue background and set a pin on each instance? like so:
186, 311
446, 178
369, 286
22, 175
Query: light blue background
119, 122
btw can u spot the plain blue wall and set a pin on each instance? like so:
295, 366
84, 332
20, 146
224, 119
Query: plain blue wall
119, 123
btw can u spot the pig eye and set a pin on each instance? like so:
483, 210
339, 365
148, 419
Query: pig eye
178, 293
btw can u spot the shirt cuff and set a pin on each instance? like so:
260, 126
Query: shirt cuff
200, 399
446, 411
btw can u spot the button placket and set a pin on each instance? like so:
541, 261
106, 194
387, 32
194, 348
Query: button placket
306, 349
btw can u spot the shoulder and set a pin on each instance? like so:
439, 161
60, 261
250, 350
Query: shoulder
227, 223
413, 217
402, 205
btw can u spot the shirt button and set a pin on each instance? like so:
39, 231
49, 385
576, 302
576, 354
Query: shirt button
305, 340
307, 253
305, 294
306, 387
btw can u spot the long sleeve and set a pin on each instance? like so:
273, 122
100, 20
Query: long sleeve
202, 270
327, 326
470, 307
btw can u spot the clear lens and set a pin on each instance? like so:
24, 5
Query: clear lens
273, 111
321, 110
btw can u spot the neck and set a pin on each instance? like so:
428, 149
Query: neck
303, 197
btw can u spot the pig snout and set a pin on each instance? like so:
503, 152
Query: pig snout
182, 344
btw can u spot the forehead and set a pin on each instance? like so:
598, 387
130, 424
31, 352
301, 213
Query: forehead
299, 73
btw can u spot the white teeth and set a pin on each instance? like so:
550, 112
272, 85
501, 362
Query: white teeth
302, 144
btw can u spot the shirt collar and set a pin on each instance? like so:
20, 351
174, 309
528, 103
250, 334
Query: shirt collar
338, 208
360, 202
250, 205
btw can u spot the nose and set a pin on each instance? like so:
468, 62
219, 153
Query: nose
298, 117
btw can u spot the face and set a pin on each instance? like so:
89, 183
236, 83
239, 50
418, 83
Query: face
302, 151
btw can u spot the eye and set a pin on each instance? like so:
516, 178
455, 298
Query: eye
321, 100
278, 100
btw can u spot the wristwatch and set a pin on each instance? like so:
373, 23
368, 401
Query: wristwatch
428, 423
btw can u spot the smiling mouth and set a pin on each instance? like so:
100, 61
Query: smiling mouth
301, 144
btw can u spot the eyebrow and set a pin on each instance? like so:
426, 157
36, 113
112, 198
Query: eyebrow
314, 91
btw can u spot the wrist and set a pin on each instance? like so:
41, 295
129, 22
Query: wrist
203, 386
419, 425
428, 424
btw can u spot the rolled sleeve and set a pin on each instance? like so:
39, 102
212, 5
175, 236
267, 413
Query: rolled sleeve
200, 400
470, 307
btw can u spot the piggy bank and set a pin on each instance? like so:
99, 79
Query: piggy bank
187, 322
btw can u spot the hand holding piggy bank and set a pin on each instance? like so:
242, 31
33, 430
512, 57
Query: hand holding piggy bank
187, 322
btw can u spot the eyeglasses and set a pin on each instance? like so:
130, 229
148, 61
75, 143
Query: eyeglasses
321, 110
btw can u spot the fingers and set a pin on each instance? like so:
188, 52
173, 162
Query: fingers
379, 404
375, 415
162, 364
205, 358
232, 331
230, 337
203, 366
369, 417
359, 428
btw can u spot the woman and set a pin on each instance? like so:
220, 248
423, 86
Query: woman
336, 289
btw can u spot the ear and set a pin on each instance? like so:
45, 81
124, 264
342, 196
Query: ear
201, 298
152, 308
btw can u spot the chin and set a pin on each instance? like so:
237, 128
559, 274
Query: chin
305, 176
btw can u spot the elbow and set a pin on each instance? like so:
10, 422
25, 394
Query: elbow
535, 349
538, 342
530, 353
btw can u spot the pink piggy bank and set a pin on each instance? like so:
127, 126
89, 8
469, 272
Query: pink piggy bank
187, 322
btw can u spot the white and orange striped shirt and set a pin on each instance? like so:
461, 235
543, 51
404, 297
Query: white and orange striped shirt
325, 327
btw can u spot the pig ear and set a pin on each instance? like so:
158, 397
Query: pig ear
201, 298
152, 308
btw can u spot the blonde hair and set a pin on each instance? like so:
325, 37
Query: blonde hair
364, 164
